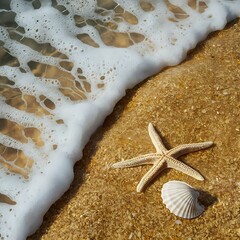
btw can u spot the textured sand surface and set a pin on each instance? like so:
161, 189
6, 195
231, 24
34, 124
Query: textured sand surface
198, 100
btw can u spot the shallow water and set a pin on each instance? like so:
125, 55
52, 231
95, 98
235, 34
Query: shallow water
63, 67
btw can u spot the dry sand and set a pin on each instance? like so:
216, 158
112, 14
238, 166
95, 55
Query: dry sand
198, 100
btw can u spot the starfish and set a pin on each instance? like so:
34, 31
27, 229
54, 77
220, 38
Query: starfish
163, 159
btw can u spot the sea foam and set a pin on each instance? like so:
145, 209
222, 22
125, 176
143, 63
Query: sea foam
63, 67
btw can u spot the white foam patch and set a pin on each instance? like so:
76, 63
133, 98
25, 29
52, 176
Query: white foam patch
68, 64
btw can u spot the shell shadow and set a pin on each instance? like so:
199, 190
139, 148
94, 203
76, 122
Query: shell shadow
206, 199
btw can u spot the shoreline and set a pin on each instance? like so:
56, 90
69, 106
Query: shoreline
198, 100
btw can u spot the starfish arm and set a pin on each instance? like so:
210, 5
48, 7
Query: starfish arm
150, 175
156, 140
137, 161
184, 168
187, 148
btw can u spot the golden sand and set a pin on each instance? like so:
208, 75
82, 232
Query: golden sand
198, 100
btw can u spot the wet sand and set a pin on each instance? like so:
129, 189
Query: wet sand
198, 100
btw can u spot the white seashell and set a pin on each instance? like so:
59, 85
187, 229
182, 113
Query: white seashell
181, 199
